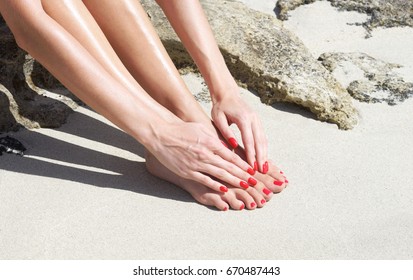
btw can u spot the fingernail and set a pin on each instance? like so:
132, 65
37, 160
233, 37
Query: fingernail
253, 204
263, 201
243, 185
225, 209
252, 181
278, 183
255, 166
225, 144
251, 171
233, 142
265, 168
223, 189
242, 207
266, 191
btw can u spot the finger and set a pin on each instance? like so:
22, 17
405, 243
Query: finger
261, 147
231, 157
208, 182
249, 143
221, 122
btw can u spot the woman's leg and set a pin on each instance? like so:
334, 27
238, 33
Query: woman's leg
142, 52
77, 20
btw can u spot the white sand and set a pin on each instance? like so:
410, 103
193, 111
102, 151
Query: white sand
82, 191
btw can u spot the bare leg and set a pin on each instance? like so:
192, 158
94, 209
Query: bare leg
142, 52
77, 20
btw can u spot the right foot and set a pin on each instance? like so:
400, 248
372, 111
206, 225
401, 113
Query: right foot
234, 198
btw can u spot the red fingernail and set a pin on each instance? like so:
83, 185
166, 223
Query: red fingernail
255, 166
243, 185
265, 168
242, 207
233, 142
251, 171
263, 201
252, 181
266, 191
223, 189
253, 204
225, 144
225, 209
278, 183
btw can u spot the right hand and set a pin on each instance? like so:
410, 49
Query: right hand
193, 152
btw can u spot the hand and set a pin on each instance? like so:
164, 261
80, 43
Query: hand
192, 151
231, 109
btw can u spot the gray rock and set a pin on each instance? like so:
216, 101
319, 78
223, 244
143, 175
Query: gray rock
377, 82
265, 57
384, 13
20, 104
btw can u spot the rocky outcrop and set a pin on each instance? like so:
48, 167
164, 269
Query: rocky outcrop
22, 102
376, 80
385, 13
265, 57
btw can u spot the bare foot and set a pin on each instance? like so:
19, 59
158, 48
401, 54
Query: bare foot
234, 198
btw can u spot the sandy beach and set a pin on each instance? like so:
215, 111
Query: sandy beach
82, 191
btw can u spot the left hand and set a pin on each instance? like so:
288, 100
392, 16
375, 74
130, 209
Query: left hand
231, 109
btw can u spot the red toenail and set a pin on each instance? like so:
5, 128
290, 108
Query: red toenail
253, 204
251, 171
278, 183
242, 207
286, 181
233, 142
243, 185
263, 201
281, 172
265, 168
266, 191
223, 189
255, 166
252, 181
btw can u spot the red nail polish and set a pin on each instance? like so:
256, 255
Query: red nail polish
266, 191
265, 168
278, 183
233, 142
223, 189
255, 166
225, 209
252, 181
223, 143
263, 201
253, 204
243, 185
242, 207
281, 172
286, 181
251, 171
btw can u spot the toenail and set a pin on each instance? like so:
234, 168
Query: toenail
252, 181
243, 185
242, 207
286, 181
225, 209
223, 189
281, 172
251, 171
266, 191
263, 201
278, 183
253, 204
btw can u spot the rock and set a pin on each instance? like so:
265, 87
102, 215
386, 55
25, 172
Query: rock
383, 13
24, 104
267, 58
377, 82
